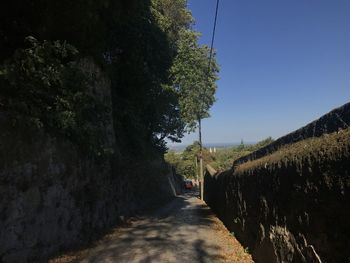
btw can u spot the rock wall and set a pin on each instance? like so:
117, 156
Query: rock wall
338, 118
292, 205
53, 198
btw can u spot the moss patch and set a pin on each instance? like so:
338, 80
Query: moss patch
332, 146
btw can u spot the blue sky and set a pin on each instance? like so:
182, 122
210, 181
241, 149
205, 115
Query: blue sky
283, 64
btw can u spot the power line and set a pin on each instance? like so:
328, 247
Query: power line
213, 35
199, 119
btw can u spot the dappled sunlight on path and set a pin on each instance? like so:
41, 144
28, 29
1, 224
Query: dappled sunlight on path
185, 230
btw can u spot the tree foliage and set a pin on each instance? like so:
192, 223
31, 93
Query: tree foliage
43, 85
193, 79
222, 159
191, 76
172, 16
185, 162
146, 48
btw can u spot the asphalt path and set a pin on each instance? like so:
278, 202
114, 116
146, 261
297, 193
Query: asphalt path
185, 230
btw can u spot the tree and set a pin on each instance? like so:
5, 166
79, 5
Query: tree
184, 162
141, 46
194, 75
172, 17
193, 80
44, 86
190, 75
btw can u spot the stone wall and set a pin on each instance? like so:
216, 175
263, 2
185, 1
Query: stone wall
292, 205
50, 197
53, 197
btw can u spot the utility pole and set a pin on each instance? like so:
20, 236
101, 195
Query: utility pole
201, 159
199, 116
196, 170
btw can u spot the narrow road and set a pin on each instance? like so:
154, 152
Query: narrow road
183, 231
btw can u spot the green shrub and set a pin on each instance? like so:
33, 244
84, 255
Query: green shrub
44, 86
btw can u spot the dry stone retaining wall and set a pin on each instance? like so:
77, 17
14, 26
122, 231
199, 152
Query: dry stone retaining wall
53, 198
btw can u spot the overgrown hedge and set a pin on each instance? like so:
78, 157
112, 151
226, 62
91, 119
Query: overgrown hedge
292, 205
336, 119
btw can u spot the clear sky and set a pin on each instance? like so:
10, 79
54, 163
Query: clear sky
283, 64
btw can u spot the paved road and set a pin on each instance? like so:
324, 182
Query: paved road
184, 231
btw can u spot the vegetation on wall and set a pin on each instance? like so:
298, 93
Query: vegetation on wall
332, 146
43, 86
157, 70
301, 188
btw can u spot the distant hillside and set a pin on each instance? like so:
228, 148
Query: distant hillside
181, 147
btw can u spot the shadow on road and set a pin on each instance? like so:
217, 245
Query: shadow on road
179, 232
